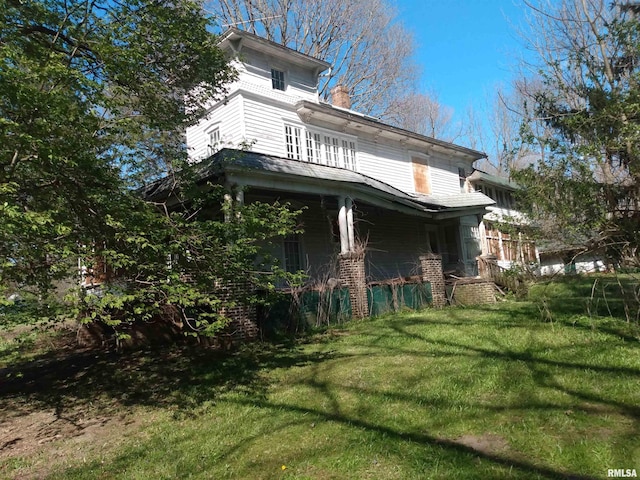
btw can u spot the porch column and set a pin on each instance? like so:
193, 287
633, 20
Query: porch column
484, 244
227, 207
343, 225
353, 275
239, 201
350, 231
352, 266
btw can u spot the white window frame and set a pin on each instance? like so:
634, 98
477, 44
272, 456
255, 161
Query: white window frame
293, 141
214, 140
319, 146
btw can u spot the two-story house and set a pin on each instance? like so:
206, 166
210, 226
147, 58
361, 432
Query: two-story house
360, 179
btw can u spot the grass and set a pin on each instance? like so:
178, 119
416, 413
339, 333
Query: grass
498, 391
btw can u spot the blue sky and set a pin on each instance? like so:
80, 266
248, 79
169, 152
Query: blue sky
464, 47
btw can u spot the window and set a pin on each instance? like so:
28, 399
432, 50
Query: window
349, 155
294, 142
292, 253
214, 141
335, 151
510, 200
277, 79
313, 147
319, 148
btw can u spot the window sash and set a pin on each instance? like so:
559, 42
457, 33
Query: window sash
277, 79
293, 141
319, 148
292, 253
214, 141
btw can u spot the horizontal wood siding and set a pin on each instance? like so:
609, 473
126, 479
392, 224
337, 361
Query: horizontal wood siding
265, 126
444, 176
229, 118
300, 83
387, 163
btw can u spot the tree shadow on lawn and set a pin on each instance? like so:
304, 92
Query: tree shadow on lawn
180, 377
592, 397
186, 377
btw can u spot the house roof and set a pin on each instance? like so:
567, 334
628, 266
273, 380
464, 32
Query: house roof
480, 176
312, 112
460, 200
255, 169
234, 39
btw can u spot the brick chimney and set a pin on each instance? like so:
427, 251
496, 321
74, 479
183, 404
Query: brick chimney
340, 97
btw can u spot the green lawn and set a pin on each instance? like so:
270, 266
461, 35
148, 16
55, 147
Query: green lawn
502, 391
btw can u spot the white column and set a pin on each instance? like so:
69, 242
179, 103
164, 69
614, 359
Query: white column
239, 201
484, 243
240, 196
350, 230
227, 207
342, 224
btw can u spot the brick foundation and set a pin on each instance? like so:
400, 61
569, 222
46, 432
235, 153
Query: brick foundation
431, 265
243, 323
169, 327
353, 275
474, 292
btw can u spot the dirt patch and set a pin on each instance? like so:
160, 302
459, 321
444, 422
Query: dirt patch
488, 443
44, 439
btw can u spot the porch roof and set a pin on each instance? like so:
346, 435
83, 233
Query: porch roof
283, 174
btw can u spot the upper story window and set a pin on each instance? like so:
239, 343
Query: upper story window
277, 79
293, 140
323, 149
214, 141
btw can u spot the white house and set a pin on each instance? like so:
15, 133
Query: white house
403, 193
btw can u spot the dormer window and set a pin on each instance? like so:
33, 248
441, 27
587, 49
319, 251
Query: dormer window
277, 79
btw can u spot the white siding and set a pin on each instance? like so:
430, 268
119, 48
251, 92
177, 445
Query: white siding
386, 163
256, 77
228, 117
255, 113
265, 126
444, 176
